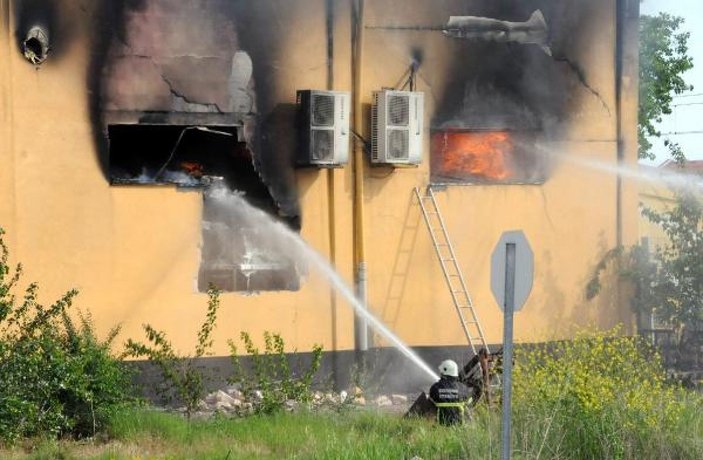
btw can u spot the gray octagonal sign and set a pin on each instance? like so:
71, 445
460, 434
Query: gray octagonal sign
512, 265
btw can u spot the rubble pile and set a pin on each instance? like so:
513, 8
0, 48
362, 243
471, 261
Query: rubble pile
234, 402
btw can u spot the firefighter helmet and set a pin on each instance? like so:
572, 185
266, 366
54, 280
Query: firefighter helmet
449, 367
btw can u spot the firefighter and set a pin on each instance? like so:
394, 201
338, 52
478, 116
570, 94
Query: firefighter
449, 394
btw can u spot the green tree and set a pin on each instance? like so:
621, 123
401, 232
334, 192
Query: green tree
663, 61
671, 283
668, 282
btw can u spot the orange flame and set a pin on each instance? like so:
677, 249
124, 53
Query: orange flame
472, 153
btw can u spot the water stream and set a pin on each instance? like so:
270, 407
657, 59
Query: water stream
680, 180
281, 240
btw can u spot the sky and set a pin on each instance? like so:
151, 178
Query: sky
687, 108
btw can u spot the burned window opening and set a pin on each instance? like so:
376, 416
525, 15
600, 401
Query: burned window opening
234, 256
169, 154
462, 156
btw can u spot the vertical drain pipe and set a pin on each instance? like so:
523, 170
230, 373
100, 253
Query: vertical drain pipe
331, 215
361, 342
619, 56
626, 94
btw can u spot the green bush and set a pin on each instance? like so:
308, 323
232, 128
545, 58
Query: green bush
273, 376
598, 396
183, 375
56, 377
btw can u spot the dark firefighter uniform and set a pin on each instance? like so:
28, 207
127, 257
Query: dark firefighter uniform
450, 396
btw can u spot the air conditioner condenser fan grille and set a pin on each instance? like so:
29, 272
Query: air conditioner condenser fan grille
322, 144
398, 110
322, 110
398, 141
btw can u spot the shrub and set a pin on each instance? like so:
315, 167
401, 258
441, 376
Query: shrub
597, 396
57, 378
273, 376
183, 376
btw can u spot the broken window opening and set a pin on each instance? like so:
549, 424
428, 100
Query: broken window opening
235, 255
461, 156
169, 154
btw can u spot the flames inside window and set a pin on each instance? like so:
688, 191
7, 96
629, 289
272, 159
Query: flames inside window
485, 157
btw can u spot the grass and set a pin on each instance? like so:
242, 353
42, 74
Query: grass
145, 434
348, 434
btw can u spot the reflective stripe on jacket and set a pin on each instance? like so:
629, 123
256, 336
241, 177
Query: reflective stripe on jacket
450, 396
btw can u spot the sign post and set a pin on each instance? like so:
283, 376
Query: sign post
512, 266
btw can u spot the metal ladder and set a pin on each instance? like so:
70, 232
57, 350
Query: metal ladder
452, 273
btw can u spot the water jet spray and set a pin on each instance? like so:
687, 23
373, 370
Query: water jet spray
281, 239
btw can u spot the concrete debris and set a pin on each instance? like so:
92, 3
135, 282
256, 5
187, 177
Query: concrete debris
383, 400
222, 406
291, 405
399, 399
224, 397
233, 401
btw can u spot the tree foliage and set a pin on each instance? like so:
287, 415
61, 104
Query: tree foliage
671, 283
668, 283
663, 61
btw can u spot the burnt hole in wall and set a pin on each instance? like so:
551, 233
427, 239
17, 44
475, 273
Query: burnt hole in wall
235, 255
34, 45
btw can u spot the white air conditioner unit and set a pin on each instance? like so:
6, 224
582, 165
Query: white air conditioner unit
396, 127
324, 128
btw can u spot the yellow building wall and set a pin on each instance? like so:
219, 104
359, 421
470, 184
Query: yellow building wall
134, 252
570, 220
